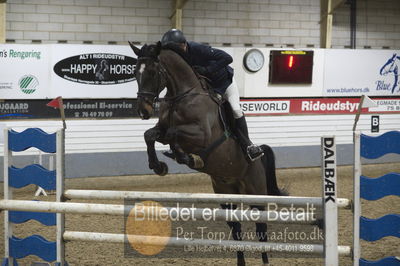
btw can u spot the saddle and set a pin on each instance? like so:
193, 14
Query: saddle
225, 111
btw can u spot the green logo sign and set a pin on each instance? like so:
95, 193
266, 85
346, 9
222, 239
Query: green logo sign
28, 84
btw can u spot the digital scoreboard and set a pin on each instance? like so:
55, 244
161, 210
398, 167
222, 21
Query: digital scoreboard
291, 67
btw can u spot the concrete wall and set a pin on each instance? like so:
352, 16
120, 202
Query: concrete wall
276, 23
378, 25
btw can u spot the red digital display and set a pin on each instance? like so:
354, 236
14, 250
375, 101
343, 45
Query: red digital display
290, 64
291, 67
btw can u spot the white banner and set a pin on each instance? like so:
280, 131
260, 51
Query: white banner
358, 72
93, 71
24, 71
106, 71
70, 71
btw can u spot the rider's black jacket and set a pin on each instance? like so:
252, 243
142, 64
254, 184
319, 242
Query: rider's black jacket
216, 63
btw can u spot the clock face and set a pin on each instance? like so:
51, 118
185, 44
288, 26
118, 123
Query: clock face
253, 60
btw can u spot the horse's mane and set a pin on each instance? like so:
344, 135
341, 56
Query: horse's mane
168, 52
153, 50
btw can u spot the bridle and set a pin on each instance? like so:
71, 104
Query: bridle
153, 97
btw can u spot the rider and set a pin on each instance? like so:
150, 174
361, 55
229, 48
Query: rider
214, 65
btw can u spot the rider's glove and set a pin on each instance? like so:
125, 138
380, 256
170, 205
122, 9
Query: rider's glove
200, 70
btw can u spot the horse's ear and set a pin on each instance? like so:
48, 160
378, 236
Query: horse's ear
158, 47
134, 48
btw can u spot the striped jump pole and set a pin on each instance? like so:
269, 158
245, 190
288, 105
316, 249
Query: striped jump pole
15, 178
374, 147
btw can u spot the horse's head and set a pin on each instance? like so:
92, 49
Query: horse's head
390, 66
149, 76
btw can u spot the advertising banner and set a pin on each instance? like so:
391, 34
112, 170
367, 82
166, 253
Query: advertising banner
93, 71
316, 106
74, 108
126, 108
70, 71
24, 72
356, 72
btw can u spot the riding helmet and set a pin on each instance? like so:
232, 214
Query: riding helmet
173, 36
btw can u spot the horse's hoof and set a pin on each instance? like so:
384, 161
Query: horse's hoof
161, 169
197, 161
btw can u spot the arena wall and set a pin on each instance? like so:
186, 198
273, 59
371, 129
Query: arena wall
274, 23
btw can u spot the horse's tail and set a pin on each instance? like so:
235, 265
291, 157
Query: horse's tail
269, 164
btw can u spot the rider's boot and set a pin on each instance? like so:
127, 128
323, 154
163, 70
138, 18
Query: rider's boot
252, 151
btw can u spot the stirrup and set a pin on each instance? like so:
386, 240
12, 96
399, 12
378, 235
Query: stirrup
254, 152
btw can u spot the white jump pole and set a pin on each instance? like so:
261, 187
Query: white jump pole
179, 242
174, 213
199, 198
329, 198
230, 245
356, 199
60, 187
8, 194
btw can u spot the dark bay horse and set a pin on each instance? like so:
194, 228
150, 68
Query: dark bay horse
189, 122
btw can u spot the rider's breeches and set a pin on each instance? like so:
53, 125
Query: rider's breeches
232, 95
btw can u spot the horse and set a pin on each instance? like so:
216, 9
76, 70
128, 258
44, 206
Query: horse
189, 121
392, 66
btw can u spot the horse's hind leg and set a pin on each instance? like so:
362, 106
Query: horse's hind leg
261, 231
236, 229
151, 136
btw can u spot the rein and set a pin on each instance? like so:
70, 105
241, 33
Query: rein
178, 97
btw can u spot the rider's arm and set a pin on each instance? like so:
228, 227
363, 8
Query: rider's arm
214, 59
219, 59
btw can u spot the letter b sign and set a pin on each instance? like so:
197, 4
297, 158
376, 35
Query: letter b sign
375, 123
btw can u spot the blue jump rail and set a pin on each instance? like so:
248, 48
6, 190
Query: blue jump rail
45, 218
375, 147
32, 137
375, 229
377, 188
388, 261
32, 174
33, 245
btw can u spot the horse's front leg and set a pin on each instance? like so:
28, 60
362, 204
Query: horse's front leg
236, 229
187, 134
151, 136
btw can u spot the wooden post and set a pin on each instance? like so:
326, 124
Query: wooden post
327, 8
2, 21
176, 18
